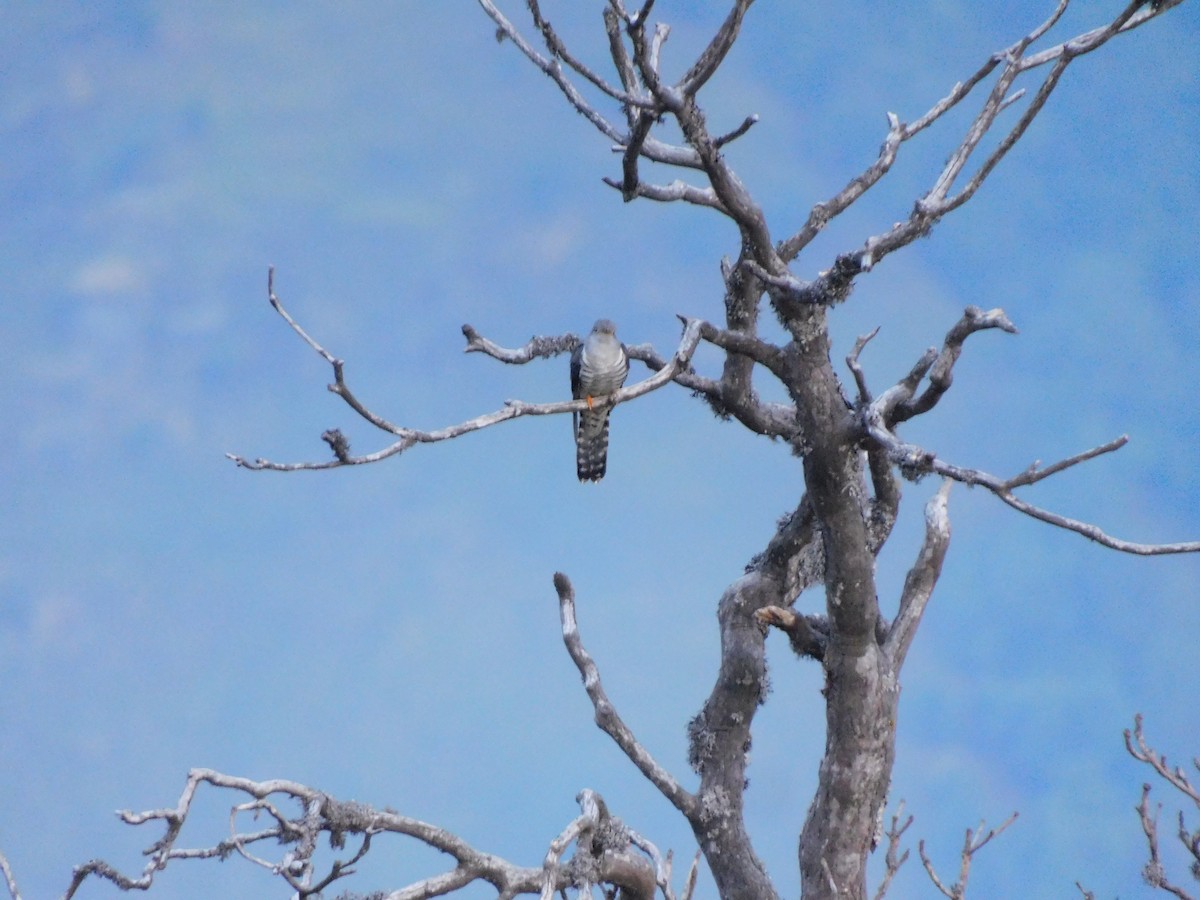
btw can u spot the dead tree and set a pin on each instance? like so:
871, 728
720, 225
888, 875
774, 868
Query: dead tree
847, 442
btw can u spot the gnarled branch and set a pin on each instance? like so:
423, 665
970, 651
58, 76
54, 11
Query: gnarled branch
606, 851
513, 409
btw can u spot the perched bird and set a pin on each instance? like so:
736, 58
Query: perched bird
598, 367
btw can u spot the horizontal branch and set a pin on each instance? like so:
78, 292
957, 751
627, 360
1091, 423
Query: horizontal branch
606, 850
536, 348
668, 193
513, 409
320, 814
915, 461
769, 419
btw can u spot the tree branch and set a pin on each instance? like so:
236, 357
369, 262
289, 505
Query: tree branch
972, 844
1153, 872
654, 150
941, 372
605, 848
1135, 743
606, 715
915, 462
9, 881
921, 578
538, 347
559, 50
320, 814
666, 193
936, 203
892, 861
513, 409
552, 69
714, 54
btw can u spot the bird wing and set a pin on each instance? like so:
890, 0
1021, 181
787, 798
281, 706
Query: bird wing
576, 366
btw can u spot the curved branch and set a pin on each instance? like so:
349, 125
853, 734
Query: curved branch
900, 403
915, 462
768, 419
714, 54
607, 716
921, 578
605, 851
513, 409
942, 374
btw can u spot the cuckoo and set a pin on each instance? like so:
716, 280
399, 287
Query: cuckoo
598, 367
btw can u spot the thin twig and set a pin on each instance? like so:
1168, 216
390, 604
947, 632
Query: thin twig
892, 860
972, 844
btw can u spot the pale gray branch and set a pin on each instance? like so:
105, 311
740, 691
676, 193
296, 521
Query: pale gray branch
902, 404
513, 409
714, 54
1154, 872
551, 68
921, 578
972, 844
893, 860
746, 125
938, 201
667, 193
558, 49
606, 714
320, 815
9, 881
915, 461
537, 347
1135, 743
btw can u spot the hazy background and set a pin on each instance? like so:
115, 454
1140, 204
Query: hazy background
390, 633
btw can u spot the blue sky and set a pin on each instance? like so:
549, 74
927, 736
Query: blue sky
390, 633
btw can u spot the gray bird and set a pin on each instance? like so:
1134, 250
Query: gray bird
598, 367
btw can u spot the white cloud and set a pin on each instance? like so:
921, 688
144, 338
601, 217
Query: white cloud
110, 275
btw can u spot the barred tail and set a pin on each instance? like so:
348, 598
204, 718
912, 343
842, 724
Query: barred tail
591, 445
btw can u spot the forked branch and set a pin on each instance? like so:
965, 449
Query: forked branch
1154, 872
975, 841
938, 201
606, 851
513, 409
893, 859
879, 416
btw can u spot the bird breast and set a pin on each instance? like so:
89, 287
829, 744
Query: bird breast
602, 365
